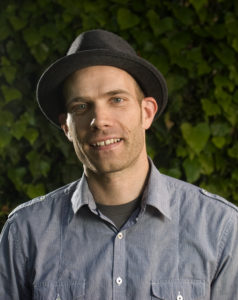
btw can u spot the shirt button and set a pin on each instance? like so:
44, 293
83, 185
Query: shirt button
120, 235
179, 297
119, 281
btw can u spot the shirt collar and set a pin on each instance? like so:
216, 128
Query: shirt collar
82, 196
155, 194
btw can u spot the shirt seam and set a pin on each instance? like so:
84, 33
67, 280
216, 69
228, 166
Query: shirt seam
16, 244
223, 242
63, 210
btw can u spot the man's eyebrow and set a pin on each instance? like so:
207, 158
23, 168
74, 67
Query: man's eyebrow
116, 92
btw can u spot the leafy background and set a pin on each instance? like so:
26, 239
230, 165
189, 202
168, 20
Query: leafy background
193, 42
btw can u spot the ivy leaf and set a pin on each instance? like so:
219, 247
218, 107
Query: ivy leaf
32, 36
40, 52
165, 25
206, 162
38, 165
219, 141
232, 114
153, 19
6, 118
175, 82
231, 23
174, 172
225, 54
220, 129
159, 26
175, 43
235, 175
224, 82
192, 169
17, 23
161, 62
10, 93
235, 97
18, 129
233, 151
218, 31
210, 108
198, 4
181, 151
195, 56
16, 175
235, 44
184, 14
196, 137
31, 135
223, 98
126, 19
5, 30
151, 151
8, 70
5, 136
35, 190
9, 73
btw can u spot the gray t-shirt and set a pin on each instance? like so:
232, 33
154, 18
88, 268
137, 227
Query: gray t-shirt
119, 214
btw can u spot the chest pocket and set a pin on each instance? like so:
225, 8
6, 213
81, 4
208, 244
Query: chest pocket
59, 290
178, 289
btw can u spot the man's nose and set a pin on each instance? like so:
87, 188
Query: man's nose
101, 118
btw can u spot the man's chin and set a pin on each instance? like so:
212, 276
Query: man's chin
105, 168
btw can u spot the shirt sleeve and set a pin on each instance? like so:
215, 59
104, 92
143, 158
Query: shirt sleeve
224, 285
12, 265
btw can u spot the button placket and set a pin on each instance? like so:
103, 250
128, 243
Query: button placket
119, 266
58, 297
179, 297
120, 235
119, 281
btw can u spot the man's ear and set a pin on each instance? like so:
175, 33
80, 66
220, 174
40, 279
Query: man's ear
64, 126
149, 109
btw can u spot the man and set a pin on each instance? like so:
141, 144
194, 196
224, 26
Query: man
122, 231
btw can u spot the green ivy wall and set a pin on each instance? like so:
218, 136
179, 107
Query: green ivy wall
193, 42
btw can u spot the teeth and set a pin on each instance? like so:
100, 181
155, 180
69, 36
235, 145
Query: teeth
107, 142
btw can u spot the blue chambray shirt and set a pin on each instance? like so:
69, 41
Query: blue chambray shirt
182, 244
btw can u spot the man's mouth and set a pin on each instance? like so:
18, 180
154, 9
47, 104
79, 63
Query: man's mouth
106, 142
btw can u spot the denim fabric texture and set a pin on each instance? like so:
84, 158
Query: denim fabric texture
181, 244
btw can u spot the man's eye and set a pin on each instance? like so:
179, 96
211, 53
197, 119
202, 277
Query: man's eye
82, 106
117, 100
79, 107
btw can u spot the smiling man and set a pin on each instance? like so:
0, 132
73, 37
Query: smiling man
123, 230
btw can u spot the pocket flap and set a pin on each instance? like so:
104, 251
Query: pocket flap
172, 289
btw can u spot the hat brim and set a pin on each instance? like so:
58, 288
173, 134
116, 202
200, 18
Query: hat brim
49, 88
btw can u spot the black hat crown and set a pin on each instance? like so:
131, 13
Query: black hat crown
100, 39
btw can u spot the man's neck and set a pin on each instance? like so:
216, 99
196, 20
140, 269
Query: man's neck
119, 187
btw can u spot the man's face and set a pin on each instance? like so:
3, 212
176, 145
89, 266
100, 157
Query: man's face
105, 119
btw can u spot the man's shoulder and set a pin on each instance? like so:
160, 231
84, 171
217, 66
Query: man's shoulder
45, 201
198, 194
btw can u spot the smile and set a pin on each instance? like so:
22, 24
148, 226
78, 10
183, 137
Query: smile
106, 142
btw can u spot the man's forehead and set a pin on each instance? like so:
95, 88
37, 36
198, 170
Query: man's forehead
98, 69
107, 79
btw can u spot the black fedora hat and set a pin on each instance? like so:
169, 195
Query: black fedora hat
92, 48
